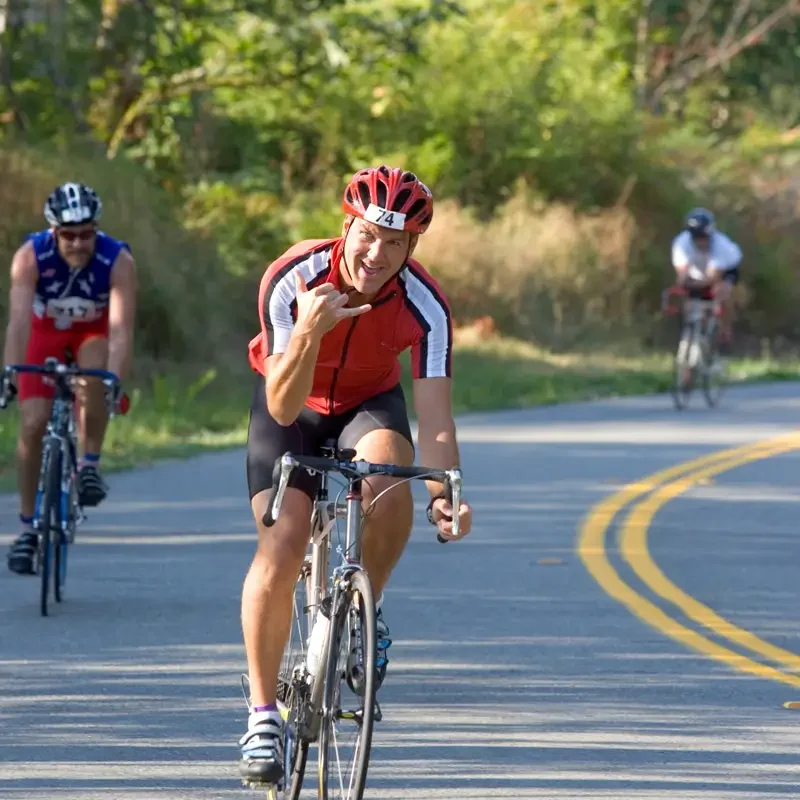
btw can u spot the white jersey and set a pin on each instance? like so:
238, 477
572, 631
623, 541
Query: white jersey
723, 254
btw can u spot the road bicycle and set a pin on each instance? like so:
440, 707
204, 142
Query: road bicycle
326, 684
697, 360
58, 511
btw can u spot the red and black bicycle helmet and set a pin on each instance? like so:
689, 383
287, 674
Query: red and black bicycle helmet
392, 198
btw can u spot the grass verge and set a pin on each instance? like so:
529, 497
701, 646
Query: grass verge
170, 417
508, 373
173, 417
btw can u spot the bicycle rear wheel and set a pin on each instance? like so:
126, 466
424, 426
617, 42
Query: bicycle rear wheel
348, 713
293, 698
715, 374
49, 528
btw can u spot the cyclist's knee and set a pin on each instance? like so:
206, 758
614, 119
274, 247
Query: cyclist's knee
393, 498
93, 353
393, 504
283, 544
384, 446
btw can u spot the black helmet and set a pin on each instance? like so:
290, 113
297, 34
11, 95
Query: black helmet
72, 204
700, 222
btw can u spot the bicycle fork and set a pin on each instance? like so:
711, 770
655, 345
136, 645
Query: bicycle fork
55, 446
690, 352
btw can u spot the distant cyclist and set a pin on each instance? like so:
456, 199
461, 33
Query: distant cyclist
707, 261
73, 291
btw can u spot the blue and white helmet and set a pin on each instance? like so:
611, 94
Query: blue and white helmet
700, 222
72, 204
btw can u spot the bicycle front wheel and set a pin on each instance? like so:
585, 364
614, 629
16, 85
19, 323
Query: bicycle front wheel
49, 516
60, 545
684, 368
349, 702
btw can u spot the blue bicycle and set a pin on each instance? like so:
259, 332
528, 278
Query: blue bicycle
58, 511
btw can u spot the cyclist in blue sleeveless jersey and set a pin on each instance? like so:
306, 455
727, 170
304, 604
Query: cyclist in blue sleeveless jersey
73, 291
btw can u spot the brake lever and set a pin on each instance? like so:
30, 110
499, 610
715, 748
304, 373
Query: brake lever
452, 491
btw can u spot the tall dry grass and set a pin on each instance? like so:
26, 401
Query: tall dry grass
552, 275
189, 310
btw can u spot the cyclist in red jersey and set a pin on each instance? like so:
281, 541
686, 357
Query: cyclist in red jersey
335, 314
73, 291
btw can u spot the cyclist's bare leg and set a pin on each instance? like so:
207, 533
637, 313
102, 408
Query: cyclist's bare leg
389, 524
93, 415
34, 414
269, 588
722, 296
723, 292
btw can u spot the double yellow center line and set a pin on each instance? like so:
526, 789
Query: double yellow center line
649, 495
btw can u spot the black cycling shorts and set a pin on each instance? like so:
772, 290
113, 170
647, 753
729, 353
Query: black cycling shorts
267, 440
731, 276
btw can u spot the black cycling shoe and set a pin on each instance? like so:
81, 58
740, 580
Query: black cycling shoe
262, 751
92, 489
22, 553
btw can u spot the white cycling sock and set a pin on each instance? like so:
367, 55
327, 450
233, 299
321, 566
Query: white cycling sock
257, 717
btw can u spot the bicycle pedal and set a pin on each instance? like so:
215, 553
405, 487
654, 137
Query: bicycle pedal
272, 790
358, 714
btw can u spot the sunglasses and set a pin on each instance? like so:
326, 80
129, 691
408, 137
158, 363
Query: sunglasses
77, 236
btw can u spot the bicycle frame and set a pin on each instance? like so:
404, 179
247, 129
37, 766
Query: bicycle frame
57, 509
61, 436
699, 324
319, 585
61, 432
325, 515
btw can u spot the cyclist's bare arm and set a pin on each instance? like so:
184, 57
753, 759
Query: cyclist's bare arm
290, 378
121, 314
436, 435
437, 429
24, 275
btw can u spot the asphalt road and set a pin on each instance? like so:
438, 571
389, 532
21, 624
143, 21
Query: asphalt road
514, 674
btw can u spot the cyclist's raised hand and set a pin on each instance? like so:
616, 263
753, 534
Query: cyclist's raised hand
320, 309
442, 513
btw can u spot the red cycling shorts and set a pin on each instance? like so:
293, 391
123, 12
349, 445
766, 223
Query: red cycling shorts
45, 343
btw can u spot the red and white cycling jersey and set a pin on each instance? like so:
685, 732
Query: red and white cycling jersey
358, 359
